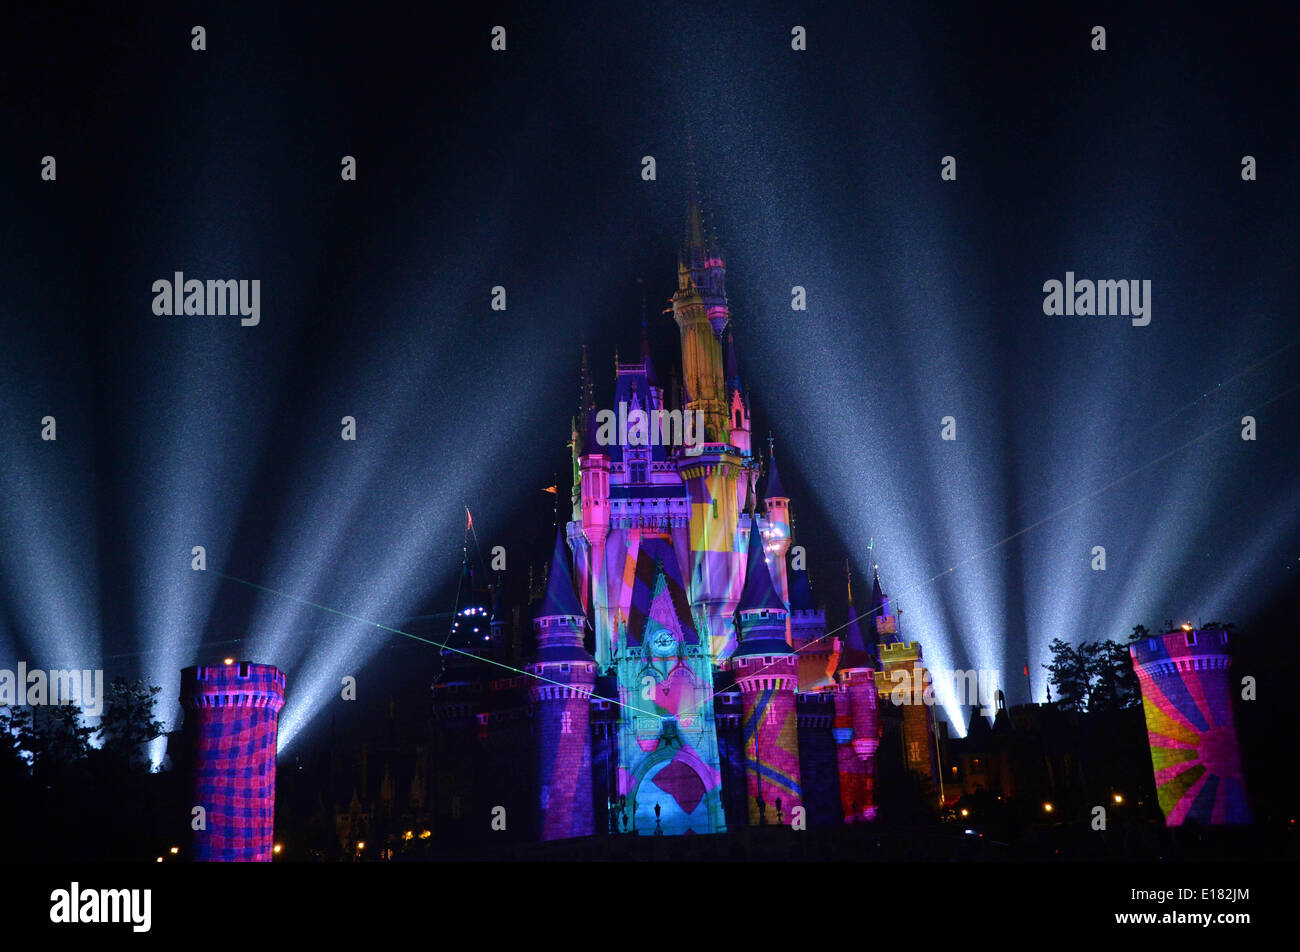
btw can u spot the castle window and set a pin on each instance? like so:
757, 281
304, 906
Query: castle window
738, 423
715, 509
1151, 644
637, 471
1191, 639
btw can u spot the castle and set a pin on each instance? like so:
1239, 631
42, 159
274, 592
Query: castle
682, 679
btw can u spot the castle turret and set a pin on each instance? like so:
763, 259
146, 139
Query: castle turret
232, 715
766, 672
700, 309
712, 470
857, 722
808, 635
561, 698
1187, 701
904, 684
594, 522
778, 527
739, 406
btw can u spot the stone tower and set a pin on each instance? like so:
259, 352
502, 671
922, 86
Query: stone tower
232, 714
1187, 701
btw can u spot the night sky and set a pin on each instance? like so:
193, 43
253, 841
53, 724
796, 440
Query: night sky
523, 169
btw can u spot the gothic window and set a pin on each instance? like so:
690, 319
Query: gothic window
771, 715
637, 468
738, 423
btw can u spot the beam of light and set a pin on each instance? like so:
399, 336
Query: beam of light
195, 393
1237, 569
48, 574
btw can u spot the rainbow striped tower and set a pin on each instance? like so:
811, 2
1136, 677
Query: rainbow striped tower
232, 714
1187, 700
767, 673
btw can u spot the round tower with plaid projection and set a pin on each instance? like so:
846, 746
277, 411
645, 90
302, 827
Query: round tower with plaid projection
767, 673
1187, 700
561, 706
232, 715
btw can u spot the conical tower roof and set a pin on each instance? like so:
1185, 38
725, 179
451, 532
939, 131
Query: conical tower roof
561, 597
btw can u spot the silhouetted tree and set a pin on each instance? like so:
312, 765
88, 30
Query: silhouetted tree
128, 724
57, 740
1110, 670
1069, 675
1096, 676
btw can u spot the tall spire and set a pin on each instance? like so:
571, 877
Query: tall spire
879, 600
759, 594
561, 598
733, 367
774, 489
650, 375
694, 215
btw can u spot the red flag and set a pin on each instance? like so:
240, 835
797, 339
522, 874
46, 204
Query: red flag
553, 490
469, 520
1026, 669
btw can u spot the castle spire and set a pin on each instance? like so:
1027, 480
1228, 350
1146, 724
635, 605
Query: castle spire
651, 376
759, 594
774, 488
561, 596
733, 367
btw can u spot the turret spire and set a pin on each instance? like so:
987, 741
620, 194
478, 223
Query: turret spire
561, 597
774, 488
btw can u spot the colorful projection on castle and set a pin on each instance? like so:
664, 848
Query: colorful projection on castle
1186, 697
